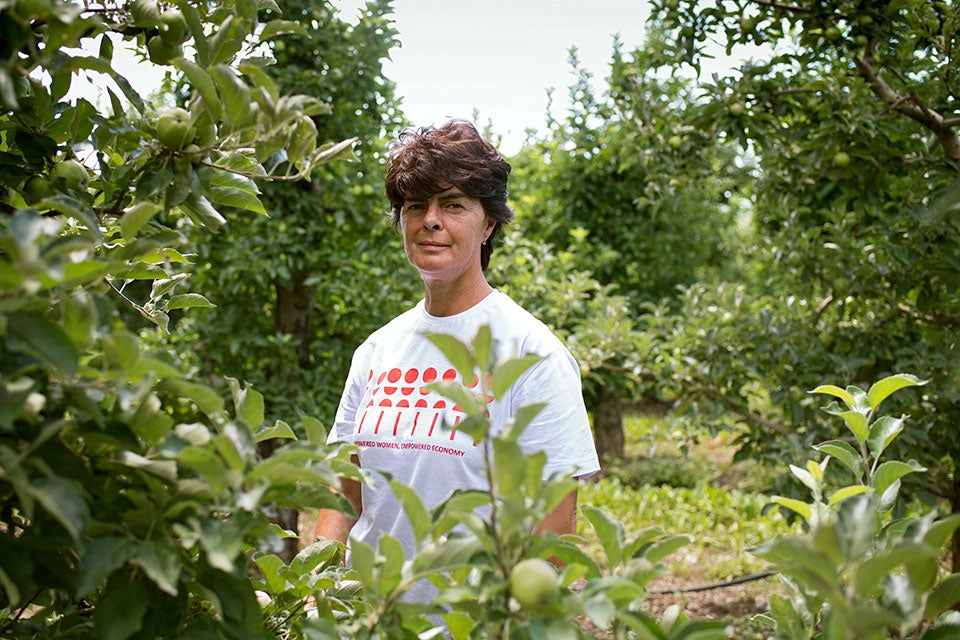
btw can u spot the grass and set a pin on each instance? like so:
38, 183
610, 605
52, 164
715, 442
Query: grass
686, 483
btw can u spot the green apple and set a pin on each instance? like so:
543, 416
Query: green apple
173, 27
675, 141
161, 52
737, 109
73, 174
841, 159
36, 188
533, 584
174, 128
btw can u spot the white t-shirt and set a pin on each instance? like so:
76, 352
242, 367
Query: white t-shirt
398, 425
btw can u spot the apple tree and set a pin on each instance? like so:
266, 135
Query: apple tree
849, 110
131, 491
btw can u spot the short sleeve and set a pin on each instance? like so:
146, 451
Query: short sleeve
562, 428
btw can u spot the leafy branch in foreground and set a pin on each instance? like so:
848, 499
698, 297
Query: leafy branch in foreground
860, 572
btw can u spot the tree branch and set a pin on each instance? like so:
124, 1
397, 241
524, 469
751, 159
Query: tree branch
911, 106
939, 321
745, 414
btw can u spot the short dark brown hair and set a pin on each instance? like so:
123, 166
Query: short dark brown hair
428, 160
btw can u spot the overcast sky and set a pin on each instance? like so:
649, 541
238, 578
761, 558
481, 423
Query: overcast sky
499, 57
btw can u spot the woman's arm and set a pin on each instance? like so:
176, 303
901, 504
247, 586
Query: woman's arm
336, 525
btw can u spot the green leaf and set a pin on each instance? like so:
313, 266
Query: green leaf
120, 610
801, 508
276, 28
315, 555
302, 141
884, 388
236, 191
836, 392
248, 403
187, 301
666, 546
843, 452
77, 63
459, 624
452, 553
203, 396
391, 569
467, 400
417, 514
166, 469
483, 348
136, 216
63, 501
280, 429
362, 557
43, 339
521, 419
944, 596
847, 492
456, 352
201, 212
261, 79
857, 423
509, 466
316, 432
942, 530
882, 432
609, 532
160, 561
233, 91
203, 83
806, 478
329, 152
505, 374
270, 566
101, 558
889, 472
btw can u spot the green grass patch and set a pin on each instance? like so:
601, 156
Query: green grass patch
684, 481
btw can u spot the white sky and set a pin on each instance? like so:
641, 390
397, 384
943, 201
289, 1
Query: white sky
498, 58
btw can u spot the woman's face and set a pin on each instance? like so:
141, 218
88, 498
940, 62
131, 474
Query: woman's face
442, 234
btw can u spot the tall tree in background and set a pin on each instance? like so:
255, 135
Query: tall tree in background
852, 114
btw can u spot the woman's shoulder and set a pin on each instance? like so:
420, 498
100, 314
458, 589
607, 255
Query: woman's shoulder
517, 325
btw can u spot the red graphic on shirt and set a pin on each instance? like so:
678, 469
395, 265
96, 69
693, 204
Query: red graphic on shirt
394, 395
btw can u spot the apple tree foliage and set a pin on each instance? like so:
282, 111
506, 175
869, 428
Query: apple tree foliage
131, 491
848, 112
641, 198
297, 290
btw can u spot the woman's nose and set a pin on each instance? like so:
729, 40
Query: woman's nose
432, 218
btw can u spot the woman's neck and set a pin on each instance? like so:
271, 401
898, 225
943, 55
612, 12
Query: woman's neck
446, 298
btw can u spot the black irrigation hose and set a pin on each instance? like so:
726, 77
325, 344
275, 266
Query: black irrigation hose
717, 585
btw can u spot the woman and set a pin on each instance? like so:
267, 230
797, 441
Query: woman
447, 189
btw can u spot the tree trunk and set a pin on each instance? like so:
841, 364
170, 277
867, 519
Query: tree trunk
608, 424
293, 315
